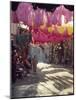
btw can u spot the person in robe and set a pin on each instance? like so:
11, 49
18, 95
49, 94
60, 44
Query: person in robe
23, 39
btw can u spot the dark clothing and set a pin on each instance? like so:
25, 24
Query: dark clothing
13, 65
22, 39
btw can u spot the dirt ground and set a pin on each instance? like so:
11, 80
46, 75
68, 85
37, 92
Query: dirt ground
49, 80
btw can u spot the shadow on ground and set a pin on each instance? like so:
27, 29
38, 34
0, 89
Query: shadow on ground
48, 81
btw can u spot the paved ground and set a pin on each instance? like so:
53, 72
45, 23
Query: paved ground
49, 80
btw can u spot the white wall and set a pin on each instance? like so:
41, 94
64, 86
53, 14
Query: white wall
13, 28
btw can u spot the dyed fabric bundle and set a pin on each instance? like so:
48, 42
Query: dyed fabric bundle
50, 26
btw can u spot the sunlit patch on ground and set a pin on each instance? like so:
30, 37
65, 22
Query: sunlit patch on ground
49, 80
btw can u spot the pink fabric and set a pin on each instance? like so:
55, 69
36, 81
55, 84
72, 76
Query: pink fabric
28, 15
23, 12
13, 17
61, 10
40, 36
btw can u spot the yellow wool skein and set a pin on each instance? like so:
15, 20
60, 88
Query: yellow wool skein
50, 29
61, 29
70, 29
